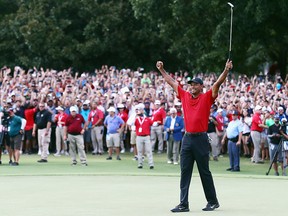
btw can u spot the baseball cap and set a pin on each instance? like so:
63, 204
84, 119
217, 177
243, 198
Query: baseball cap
219, 110
280, 108
73, 109
59, 108
234, 112
258, 107
86, 102
140, 106
157, 102
276, 117
120, 106
178, 103
173, 110
195, 80
284, 119
111, 109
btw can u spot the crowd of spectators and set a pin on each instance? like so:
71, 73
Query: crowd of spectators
108, 87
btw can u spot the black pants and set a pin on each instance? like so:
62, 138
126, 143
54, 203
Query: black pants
196, 148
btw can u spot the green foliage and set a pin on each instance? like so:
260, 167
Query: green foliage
192, 35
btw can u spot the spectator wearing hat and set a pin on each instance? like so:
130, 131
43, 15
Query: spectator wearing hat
115, 126
281, 113
234, 135
124, 116
256, 130
73, 132
157, 129
95, 120
275, 133
84, 110
147, 109
42, 124
15, 130
178, 107
173, 126
143, 141
60, 119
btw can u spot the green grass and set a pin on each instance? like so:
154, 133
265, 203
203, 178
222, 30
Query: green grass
98, 165
108, 188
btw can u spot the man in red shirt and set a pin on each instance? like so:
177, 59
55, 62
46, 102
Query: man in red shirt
60, 119
195, 145
158, 118
73, 132
256, 129
96, 118
143, 125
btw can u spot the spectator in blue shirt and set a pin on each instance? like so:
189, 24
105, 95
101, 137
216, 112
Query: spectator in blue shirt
114, 126
234, 135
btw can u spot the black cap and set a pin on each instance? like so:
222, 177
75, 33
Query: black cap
196, 80
234, 112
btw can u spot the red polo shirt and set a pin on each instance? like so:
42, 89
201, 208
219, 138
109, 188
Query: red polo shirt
159, 115
143, 125
74, 124
123, 116
95, 115
29, 116
60, 119
196, 110
256, 120
220, 121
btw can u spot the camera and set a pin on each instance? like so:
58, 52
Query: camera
5, 118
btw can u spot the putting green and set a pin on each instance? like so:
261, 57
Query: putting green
119, 188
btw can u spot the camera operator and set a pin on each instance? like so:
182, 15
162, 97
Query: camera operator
4, 135
15, 133
275, 133
285, 131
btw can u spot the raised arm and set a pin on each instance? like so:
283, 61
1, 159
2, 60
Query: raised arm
221, 78
173, 83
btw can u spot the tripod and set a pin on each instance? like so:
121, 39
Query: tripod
282, 148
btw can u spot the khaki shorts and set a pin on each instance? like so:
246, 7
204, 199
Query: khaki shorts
133, 137
15, 142
113, 140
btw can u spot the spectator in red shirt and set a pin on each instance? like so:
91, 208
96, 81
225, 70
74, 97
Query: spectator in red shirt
143, 141
96, 118
73, 132
60, 119
124, 116
158, 118
256, 129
